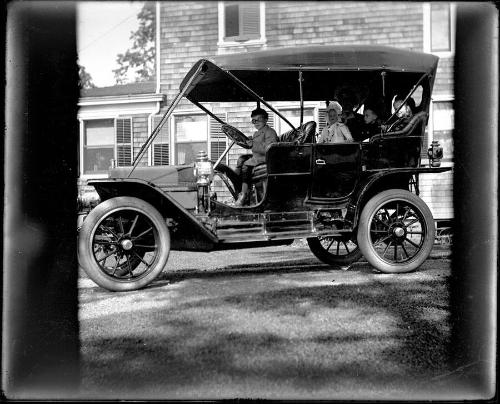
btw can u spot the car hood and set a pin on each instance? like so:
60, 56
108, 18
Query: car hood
159, 175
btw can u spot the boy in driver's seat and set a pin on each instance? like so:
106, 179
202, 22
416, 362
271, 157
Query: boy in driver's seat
262, 138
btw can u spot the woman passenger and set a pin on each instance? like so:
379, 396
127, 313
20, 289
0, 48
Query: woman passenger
334, 131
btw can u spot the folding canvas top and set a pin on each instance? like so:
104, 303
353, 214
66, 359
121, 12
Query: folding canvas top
273, 73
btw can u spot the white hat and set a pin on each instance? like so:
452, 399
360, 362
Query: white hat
334, 105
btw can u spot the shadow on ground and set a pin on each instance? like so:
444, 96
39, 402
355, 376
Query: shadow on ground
385, 339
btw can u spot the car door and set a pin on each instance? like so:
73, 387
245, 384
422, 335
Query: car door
335, 169
289, 173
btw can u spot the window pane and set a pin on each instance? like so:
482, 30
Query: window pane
97, 160
232, 20
445, 139
293, 115
440, 27
191, 134
186, 152
191, 128
417, 96
443, 116
100, 132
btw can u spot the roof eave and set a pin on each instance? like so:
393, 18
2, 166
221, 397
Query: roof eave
121, 99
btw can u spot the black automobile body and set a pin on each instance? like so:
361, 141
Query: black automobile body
347, 199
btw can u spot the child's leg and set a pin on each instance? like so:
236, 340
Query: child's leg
246, 174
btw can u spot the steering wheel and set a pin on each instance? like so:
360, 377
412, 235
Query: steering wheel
234, 134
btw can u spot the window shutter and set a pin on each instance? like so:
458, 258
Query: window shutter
161, 154
250, 19
218, 140
321, 119
161, 144
270, 120
123, 142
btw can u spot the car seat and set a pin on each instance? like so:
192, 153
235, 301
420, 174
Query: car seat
400, 148
304, 134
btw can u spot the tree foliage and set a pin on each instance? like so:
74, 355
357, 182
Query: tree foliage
85, 80
140, 58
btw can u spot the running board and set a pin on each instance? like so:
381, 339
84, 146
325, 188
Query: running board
274, 226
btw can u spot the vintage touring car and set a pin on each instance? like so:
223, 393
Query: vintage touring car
347, 199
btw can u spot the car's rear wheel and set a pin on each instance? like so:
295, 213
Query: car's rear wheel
124, 244
396, 231
335, 250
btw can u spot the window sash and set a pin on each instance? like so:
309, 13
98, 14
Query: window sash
97, 129
430, 44
443, 115
97, 159
440, 26
185, 150
98, 145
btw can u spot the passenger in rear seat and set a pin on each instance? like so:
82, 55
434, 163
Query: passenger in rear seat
262, 138
334, 131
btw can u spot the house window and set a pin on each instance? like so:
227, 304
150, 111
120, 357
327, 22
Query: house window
293, 116
161, 144
98, 145
443, 116
439, 28
241, 22
105, 140
190, 134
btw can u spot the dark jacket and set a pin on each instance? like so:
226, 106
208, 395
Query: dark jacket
371, 129
355, 123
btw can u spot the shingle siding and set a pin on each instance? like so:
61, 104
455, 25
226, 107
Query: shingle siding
188, 32
317, 23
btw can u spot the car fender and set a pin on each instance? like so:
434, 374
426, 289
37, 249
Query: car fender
188, 233
373, 184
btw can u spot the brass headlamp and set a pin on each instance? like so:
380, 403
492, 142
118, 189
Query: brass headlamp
203, 169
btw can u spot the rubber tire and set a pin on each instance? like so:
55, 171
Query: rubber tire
332, 259
364, 239
85, 251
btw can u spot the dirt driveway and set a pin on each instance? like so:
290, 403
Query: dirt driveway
269, 323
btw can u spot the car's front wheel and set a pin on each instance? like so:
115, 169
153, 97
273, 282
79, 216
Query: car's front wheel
123, 244
396, 231
335, 250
